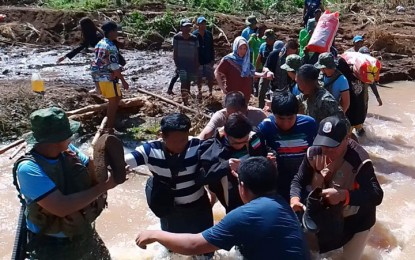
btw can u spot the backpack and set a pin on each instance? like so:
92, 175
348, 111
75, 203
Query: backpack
160, 192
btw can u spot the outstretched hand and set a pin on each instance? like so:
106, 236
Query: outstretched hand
61, 59
144, 238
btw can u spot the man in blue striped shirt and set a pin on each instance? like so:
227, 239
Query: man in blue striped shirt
174, 160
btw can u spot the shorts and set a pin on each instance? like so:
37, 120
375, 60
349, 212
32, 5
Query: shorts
187, 77
110, 89
206, 71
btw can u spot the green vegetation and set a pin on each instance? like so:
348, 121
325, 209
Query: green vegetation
79, 4
150, 130
224, 6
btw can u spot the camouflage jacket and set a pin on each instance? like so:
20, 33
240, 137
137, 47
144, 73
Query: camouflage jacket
320, 105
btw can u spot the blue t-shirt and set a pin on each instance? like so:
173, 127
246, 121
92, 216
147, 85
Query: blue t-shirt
35, 184
339, 86
296, 91
265, 50
246, 33
264, 228
290, 146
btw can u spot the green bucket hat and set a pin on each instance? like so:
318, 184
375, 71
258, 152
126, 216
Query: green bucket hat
269, 34
325, 61
251, 20
292, 63
50, 125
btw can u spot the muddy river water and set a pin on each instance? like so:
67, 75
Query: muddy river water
390, 131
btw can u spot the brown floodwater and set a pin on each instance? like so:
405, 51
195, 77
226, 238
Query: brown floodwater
389, 131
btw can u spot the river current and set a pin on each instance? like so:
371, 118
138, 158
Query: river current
389, 131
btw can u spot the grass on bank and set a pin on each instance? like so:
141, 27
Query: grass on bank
224, 6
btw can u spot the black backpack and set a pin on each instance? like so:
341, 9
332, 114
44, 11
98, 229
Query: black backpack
160, 196
160, 191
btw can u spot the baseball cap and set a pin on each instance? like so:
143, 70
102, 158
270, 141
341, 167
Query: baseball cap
292, 63
201, 19
331, 132
357, 38
325, 61
185, 22
269, 34
278, 45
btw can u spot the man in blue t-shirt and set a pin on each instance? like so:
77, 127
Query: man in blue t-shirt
251, 23
265, 227
334, 81
206, 55
289, 135
60, 194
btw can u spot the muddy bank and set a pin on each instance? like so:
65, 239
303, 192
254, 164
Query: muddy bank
387, 32
68, 84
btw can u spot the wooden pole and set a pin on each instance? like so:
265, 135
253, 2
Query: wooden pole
21, 147
173, 103
98, 133
10, 146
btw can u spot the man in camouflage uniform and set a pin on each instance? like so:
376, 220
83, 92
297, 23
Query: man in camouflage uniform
315, 100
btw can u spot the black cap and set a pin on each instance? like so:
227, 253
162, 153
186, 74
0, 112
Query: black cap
110, 26
331, 132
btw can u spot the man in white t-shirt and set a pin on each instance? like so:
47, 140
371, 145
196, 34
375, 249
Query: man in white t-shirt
234, 103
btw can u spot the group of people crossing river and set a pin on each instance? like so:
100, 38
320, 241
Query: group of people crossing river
290, 173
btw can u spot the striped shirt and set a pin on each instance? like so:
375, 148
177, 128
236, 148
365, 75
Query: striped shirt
153, 156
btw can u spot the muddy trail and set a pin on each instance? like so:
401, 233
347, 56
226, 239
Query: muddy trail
31, 40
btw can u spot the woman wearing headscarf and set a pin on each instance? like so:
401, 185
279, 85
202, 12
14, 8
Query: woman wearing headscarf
235, 72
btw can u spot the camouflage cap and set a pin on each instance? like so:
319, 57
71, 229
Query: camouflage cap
325, 61
251, 20
51, 125
292, 63
269, 34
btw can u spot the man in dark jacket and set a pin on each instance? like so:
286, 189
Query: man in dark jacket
343, 170
223, 153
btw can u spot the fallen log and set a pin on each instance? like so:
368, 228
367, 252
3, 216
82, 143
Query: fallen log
403, 36
10, 146
173, 103
20, 148
124, 103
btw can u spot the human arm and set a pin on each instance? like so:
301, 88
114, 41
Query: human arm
62, 205
218, 120
376, 92
368, 190
37, 187
138, 157
220, 75
75, 51
175, 51
345, 100
300, 180
258, 61
185, 244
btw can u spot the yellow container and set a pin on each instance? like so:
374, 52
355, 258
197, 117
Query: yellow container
38, 84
